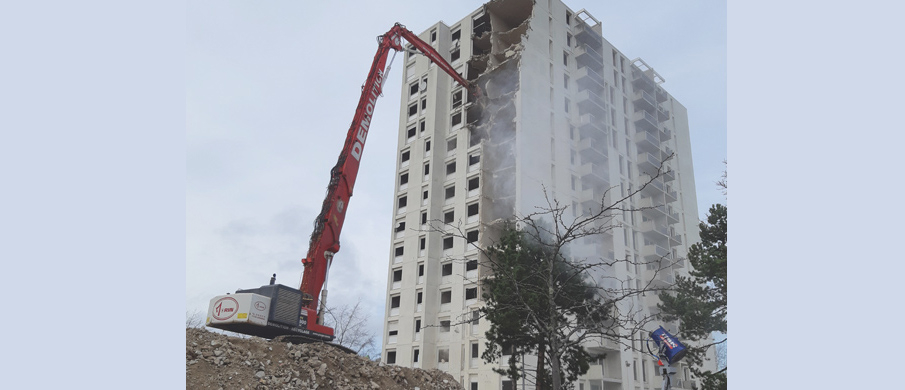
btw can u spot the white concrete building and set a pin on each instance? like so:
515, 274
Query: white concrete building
571, 115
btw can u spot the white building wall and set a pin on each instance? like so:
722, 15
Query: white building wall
552, 153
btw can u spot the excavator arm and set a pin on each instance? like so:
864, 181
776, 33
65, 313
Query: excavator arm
324, 241
276, 310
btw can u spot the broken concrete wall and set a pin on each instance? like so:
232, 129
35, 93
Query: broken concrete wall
492, 119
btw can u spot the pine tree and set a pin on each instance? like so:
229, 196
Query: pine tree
699, 301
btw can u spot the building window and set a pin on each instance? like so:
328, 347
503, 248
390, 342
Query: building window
567, 104
418, 299
424, 218
413, 89
422, 244
424, 195
448, 244
472, 209
443, 354
449, 216
427, 146
474, 350
454, 55
450, 145
394, 302
391, 357
471, 236
471, 265
403, 201
457, 99
471, 293
451, 168
433, 36
405, 156
568, 18
565, 58
403, 179
446, 270
400, 227
415, 356
397, 275
474, 159
456, 118
456, 35
450, 192
565, 81
474, 183
506, 385
569, 39
413, 110
444, 325
423, 104
400, 250
418, 325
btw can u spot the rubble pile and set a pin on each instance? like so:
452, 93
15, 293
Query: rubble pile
216, 361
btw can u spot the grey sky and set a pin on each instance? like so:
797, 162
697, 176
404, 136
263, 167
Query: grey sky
271, 88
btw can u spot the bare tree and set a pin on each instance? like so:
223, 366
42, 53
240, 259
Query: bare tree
350, 326
194, 319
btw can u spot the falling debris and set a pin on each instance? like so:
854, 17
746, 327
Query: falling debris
216, 361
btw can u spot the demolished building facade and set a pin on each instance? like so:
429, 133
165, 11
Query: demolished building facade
563, 113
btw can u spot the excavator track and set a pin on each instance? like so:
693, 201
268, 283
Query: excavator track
298, 339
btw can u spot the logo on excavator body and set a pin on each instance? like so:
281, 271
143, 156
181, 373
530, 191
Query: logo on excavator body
260, 306
225, 308
362, 133
340, 205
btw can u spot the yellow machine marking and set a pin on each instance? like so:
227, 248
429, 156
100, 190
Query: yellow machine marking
243, 315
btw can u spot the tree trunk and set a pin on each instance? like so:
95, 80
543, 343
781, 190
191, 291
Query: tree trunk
541, 383
554, 367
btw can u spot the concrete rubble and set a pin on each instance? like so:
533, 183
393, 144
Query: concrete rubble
217, 361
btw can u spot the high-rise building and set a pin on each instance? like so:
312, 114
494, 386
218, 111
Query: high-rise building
566, 115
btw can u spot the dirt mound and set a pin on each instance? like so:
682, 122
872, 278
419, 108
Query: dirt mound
216, 361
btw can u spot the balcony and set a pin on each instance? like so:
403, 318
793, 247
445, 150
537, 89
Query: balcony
672, 217
664, 279
642, 81
644, 120
675, 239
587, 78
662, 114
647, 142
586, 35
669, 176
648, 162
588, 57
649, 209
665, 133
653, 188
590, 126
594, 174
644, 100
589, 103
653, 226
593, 149
661, 95
671, 196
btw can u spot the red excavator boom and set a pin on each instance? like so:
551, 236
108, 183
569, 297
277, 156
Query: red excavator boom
275, 310
324, 241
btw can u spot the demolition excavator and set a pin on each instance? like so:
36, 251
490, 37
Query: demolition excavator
296, 314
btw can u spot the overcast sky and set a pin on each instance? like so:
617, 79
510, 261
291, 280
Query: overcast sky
271, 89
